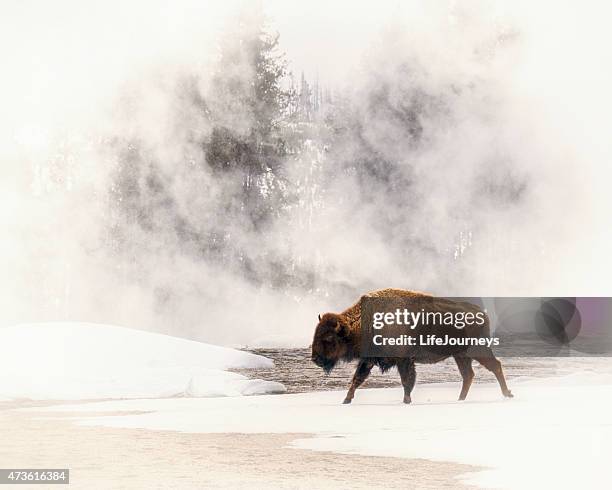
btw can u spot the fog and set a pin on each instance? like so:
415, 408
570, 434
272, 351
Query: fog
468, 153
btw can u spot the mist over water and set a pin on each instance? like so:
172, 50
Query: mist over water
459, 150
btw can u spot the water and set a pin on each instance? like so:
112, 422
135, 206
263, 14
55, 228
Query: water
297, 372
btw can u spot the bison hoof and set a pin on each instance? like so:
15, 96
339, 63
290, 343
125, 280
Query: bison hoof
407, 399
347, 401
509, 394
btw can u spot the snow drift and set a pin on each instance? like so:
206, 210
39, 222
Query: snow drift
556, 433
88, 361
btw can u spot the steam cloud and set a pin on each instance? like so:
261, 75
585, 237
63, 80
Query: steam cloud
466, 153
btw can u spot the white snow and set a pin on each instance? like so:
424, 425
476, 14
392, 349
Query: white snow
554, 433
68, 361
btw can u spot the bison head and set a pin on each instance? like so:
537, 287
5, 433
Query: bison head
331, 341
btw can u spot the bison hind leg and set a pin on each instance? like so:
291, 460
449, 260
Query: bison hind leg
467, 373
493, 365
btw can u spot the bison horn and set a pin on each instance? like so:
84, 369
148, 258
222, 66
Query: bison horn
319, 316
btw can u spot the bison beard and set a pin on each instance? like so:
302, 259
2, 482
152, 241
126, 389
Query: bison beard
338, 338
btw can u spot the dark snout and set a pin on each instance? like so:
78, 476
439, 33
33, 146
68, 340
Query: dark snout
326, 364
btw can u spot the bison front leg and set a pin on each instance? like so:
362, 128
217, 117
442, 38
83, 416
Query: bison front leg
361, 374
408, 374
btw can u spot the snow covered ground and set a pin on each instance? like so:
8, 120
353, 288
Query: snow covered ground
554, 433
68, 361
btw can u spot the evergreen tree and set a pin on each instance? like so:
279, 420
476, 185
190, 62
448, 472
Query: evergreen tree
248, 103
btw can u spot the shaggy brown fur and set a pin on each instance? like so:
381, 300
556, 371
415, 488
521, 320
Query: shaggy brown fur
338, 338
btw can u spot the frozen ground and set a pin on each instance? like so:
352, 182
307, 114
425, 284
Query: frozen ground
102, 458
554, 433
66, 361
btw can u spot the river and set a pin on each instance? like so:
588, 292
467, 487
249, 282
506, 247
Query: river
296, 371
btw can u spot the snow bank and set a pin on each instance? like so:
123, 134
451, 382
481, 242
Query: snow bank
67, 361
553, 434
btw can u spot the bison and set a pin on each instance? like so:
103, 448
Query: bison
338, 338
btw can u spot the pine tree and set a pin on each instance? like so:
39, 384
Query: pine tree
248, 103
